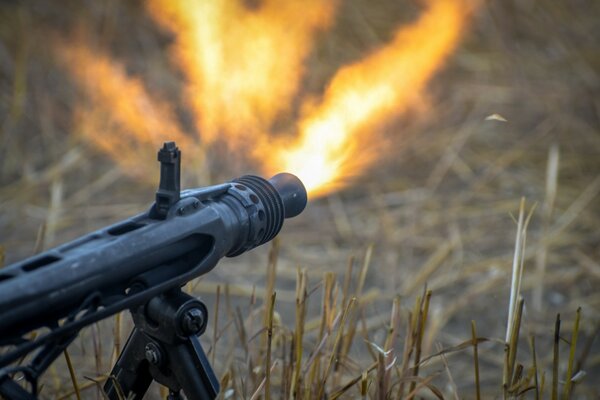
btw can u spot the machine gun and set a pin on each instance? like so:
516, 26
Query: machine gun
139, 264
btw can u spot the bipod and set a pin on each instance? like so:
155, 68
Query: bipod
164, 347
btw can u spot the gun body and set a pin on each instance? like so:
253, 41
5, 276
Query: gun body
140, 253
142, 260
112, 260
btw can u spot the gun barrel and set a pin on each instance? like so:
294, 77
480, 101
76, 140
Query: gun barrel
105, 266
292, 192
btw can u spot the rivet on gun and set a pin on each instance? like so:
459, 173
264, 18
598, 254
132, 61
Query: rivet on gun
193, 321
153, 354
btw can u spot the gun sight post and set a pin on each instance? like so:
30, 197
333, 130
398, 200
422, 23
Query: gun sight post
169, 187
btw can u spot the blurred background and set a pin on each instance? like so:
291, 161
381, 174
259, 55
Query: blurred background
417, 125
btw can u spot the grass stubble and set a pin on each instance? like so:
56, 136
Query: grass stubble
312, 359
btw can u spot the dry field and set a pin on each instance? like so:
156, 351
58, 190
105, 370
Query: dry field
384, 275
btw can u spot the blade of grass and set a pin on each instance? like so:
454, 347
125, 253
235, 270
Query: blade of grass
271, 310
363, 378
516, 380
83, 387
324, 329
345, 298
364, 385
417, 387
547, 209
513, 345
567, 387
270, 285
535, 369
515, 273
40, 239
449, 374
216, 325
555, 358
72, 374
475, 359
98, 384
301, 294
362, 276
256, 394
421, 321
542, 384
336, 343
389, 355
97, 342
407, 351
116, 339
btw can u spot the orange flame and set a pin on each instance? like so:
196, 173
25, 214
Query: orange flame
243, 66
122, 118
335, 141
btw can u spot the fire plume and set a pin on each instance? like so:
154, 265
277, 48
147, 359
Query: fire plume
243, 65
335, 141
120, 117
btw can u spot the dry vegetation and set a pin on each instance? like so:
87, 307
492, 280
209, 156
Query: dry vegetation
351, 316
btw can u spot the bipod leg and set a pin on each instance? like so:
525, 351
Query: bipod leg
191, 370
131, 374
164, 347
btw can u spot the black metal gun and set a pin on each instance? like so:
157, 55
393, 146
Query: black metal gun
140, 264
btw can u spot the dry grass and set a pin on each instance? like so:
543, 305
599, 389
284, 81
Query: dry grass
437, 214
